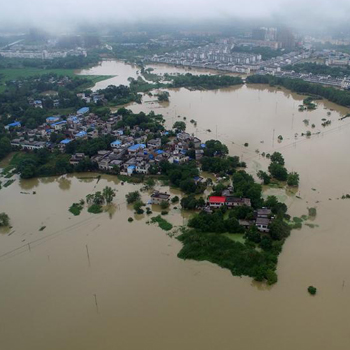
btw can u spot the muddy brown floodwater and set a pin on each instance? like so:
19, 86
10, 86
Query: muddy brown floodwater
147, 298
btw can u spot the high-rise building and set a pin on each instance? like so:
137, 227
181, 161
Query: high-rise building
286, 38
259, 33
271, 34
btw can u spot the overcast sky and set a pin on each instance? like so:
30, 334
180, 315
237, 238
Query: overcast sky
67, 12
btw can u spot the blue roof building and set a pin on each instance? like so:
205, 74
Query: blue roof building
116, 143
59, 123
83, 110
81, 134
131, 169
13, 125
66, 141
50, 120
135, 148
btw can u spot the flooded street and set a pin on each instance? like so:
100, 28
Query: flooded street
98, 282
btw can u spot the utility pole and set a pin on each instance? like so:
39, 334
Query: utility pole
88, 255
96, 303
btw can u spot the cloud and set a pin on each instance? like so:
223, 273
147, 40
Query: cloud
68, 13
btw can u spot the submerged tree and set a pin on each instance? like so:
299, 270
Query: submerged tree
293, 179
132, 197
108, 194
4, 219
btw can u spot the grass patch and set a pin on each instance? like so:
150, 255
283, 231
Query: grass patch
311, 225
297, 220
95, 209
236, 237
162, 223
312, 212
8, 183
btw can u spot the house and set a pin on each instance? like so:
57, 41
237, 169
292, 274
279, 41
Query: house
38, 104
216, 201
155, 143
103, 164
262, 224
76, 158
59, 125
83, 110
116, 144
29, 145
130, 169
184, 136
81, 135
246, 223
142, 167
13, 125
236, 202
263, 213
53, 119
135, 148
199, 180
159, 197
65, 142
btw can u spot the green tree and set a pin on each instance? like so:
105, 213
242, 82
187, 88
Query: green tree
264, 176
175, 199
132, 197
278, 171
164, 205
279, 230
150, 183
5, 147
98, 198
277, 158
138, 207
108, 194
293, 179
4, 219
179, 126
312, 290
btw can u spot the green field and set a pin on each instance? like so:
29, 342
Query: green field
15, 73
236, 237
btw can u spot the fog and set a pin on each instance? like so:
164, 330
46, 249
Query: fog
66, 14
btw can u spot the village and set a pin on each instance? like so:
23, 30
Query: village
133, 151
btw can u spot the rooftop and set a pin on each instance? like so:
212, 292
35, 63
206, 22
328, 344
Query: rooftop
217, 199
83, 110
66, 141
136, 147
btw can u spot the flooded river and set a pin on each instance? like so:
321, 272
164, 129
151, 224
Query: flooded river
99, 282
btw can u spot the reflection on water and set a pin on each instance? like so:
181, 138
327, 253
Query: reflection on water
28, 184
64, 183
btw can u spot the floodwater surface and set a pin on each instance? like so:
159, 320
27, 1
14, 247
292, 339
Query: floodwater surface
99, 282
